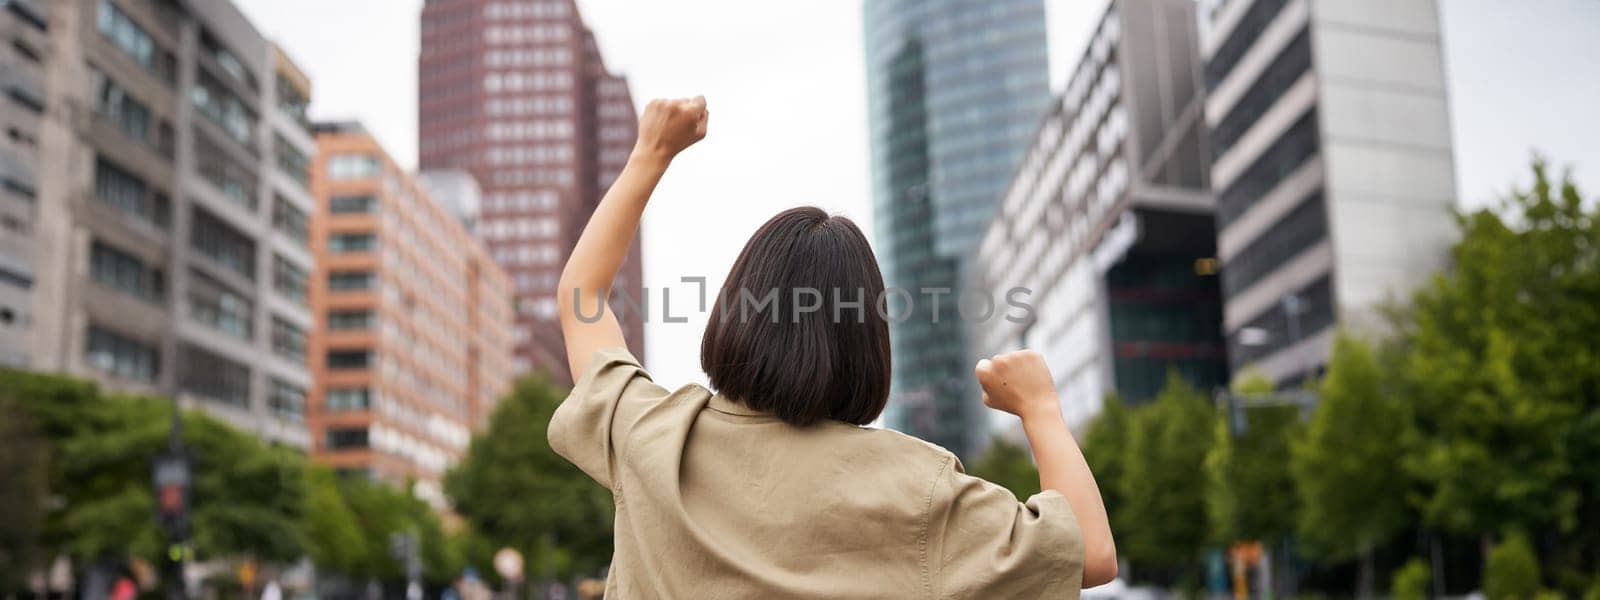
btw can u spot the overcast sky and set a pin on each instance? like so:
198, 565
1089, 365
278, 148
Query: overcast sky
785, 84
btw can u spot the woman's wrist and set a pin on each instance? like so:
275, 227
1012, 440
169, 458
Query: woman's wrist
649, 158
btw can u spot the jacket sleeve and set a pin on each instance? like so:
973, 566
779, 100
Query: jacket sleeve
983, 543
592, 424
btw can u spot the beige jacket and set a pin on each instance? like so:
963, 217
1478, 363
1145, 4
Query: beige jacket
714, 500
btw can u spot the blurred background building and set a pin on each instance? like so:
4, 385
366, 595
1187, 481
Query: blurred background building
1108, 222
516, 94
22, 83
412, 344
1332, 165
954, 94
167, 205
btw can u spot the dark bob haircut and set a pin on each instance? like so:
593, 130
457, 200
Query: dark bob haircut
798, 329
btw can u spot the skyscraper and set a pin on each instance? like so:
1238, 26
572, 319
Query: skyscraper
412, 343
1331, 160
169, 232
955, 90
1108, 223
515, 92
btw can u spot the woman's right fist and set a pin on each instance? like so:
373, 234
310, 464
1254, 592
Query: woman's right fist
1018, 383
669, 126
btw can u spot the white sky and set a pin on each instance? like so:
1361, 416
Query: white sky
785, 84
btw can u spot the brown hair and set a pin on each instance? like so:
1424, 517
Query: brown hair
798, 329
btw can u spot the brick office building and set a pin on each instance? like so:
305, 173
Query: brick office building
516, 93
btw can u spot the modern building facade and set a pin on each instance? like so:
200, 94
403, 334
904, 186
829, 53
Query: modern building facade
412, 343
954, 93
515, 93
169, 235
1108, 225
24, 29
1331, 159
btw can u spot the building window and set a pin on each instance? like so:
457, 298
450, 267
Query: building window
125, 272
1278, 77
1244, 35
226, 59
1274, 165
289, 279
289, 219
237, 180
288, 340
292, 161
129, 194
128, 114
213, 303
134, 41
225, 109
350, 319
350, 280
120, 355
340, 438
353, 166
1307, 224
292, 101
349, 359
341, 205
210, 376
287, 401
347, 399
352, 242
223, 244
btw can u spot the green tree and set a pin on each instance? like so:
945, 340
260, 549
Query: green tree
1008, 465
246, 499
1506, 373
515, 491
24, 469
1351, 489
1164, 513
1412, 581
1105, 450
1247, 496
333, 537
1512, 570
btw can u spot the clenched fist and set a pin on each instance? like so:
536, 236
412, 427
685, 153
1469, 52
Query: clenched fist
669, 126
1018, 383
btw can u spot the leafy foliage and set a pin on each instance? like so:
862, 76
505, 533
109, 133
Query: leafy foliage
1249, 492
1351, 489
1512, 570
1505, 368
515, 491
1412, 581
1164, 471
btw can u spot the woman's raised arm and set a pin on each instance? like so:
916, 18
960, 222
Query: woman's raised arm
665, 129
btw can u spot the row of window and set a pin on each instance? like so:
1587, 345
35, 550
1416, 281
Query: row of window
201, 372
226, 109
134, 41
1244, 35
1284, 71
224, 245
1307, 224
235, 179
1274, 165
130, 115
129, 194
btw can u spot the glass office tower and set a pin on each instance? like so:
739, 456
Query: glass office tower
955, 91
